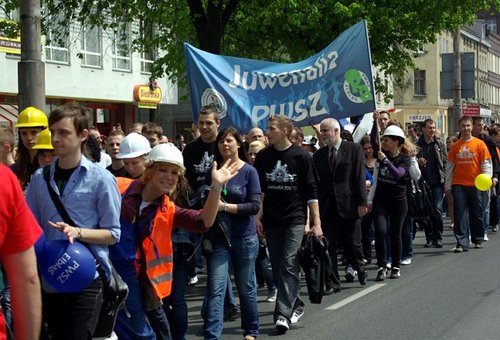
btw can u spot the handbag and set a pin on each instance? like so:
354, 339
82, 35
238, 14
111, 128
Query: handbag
115, 290
418, 197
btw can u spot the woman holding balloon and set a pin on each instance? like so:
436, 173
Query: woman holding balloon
468, 158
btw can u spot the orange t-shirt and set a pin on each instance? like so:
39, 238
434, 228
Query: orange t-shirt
468, 157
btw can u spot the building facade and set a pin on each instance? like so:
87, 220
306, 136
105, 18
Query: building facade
96, 68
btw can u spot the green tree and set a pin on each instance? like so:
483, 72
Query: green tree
277, 30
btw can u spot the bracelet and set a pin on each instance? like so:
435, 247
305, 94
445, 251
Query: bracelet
225, 207
215, 188
79, 236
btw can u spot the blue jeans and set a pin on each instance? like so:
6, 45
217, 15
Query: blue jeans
242, 254
468, 200
137, 326
486, 210
267, 272
175, 305
283, 244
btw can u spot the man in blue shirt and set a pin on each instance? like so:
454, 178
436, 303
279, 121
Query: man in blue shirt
90, 196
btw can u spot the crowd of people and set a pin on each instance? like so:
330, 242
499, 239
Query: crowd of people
151, 209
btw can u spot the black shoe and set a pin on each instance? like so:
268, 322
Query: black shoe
362, 277
336, 290
437, 244
428, 244
231, 313
494, 228
328, 291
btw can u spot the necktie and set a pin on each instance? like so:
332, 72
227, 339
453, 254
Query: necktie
333, 157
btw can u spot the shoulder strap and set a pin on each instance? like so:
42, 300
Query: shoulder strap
55, 198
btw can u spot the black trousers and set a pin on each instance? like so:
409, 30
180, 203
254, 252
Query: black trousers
72, 316
344, 232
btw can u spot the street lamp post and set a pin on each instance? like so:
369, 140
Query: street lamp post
457, 83
31, 69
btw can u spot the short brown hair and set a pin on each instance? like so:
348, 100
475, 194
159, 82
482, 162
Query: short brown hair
151, 127
79, 113
283, 122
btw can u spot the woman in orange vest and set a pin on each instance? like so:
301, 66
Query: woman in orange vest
143, 257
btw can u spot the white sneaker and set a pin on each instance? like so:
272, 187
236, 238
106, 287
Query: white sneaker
296, 315
271, 297
282, 324
350, 274
193, 280
388, 265
406, 262
486, 238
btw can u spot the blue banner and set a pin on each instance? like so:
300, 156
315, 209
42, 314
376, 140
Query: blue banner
337, 82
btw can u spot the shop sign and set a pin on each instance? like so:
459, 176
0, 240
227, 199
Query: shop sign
144, 105
9, 45
418, 118
144, 94
471, 110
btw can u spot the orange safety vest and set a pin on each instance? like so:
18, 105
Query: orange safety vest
157, 247
123, 184
159, 251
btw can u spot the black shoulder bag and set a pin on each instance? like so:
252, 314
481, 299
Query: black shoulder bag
115, 290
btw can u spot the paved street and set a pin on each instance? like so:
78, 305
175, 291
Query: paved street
441, 295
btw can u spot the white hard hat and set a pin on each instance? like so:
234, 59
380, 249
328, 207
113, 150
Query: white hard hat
133, 145
311, 140
394, 131
167, 153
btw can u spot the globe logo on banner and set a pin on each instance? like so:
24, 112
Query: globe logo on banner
337, 82
213, 97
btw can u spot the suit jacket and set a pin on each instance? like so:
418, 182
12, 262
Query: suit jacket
346, 183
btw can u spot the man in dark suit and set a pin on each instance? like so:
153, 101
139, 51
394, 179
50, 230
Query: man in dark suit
342, 198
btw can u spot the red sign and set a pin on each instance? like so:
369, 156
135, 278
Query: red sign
471, 110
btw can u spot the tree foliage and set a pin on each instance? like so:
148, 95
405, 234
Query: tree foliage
277, 30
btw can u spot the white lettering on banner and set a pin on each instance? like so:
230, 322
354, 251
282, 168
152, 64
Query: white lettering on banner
260, 112
59, 263
285, 79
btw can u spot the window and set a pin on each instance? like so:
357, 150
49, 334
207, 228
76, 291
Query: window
420, 48
491, 25
56, 46
91, 52
419, 83
121, 48
149, 54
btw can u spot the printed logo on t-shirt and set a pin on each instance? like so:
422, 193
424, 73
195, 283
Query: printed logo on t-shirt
280, 174
205, 165
465, 155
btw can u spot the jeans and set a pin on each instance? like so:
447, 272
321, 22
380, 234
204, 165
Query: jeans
159, 322
468, 200
267, 272
242, 254
73, 316
434, 225
385, 214
407, 238
283, 244
367, 235
486, 210
137, 326
175, 305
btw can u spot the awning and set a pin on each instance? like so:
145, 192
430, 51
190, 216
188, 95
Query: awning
8, 114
